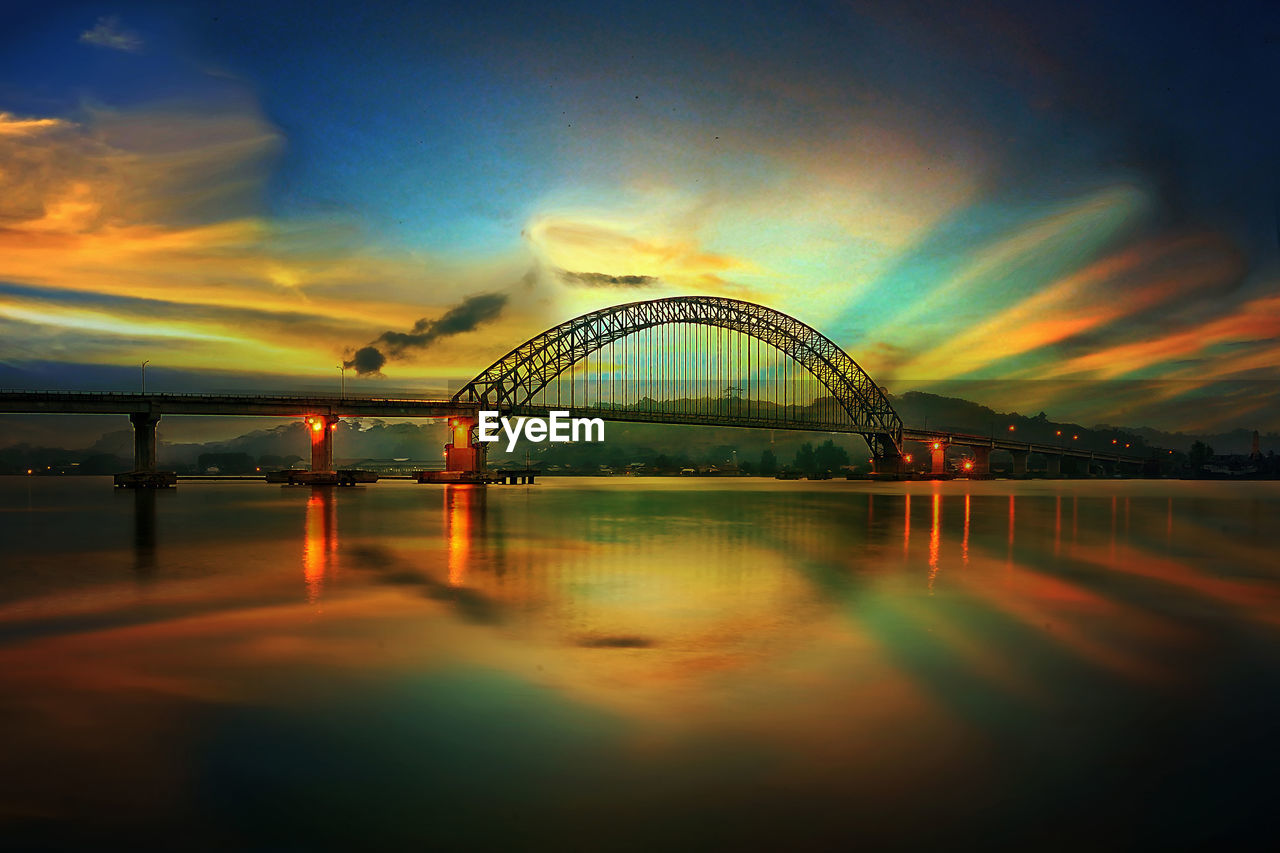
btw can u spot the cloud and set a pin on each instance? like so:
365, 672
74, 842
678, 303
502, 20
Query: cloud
597, 279
580, 242
464, 317
366, 360
109, 33
138, 220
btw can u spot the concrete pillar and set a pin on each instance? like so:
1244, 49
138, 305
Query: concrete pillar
1020, 462
1055, 466
144, 440
463, 452
886, 467
938, 451
320, 428
981, 462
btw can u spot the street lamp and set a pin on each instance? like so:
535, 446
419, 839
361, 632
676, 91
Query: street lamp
144, 375
342, 383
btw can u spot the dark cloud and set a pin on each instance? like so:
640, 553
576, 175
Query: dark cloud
367, 360
464, 317
599, 279
615, 642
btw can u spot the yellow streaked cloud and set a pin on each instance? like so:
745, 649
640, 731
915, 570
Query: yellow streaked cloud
1136, 279
101, 322
161, 206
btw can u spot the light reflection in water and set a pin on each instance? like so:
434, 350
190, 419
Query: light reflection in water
319, 542
664, 611
906, 527
459, 503
935, 535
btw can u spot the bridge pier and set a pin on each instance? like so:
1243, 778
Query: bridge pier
464, 453
938, 452
321, 429
981, 463
144, 440
144, 474
1019, 462
886, 467
1055, 465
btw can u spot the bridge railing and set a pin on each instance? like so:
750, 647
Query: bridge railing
440, 397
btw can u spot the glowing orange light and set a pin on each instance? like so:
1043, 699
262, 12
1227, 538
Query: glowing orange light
1126, 445
333, 425
29, 471
1059, 432
1012, 427
1113, 441
905, 458
1074, 437
936, 445
317, 426
968, 464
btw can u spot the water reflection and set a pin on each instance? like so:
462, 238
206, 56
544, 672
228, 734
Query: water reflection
906, 526
319, 541
464, 520
572, 648
935, 537
144, 533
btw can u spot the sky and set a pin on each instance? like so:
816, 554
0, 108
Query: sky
1060, 207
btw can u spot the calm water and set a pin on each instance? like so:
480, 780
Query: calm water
644, 663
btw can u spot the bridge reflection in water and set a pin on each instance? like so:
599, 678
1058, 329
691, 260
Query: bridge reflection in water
320, 542
859, 646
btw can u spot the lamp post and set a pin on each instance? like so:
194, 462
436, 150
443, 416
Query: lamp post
144, 375
342, 383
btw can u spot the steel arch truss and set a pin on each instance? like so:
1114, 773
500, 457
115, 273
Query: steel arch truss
510, 384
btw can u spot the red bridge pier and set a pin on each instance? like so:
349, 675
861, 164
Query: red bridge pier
464, 453
321, 428
938, 452
465, 459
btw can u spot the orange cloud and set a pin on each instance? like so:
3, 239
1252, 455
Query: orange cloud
161, 207
1138, 279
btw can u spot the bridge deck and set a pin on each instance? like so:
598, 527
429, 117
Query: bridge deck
114, 403
1002, 443
123, 403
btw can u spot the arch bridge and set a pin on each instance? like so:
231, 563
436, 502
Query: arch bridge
688, 359
682, 360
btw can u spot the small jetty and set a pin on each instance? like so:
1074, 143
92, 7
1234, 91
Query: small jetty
321, 478
501, 477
